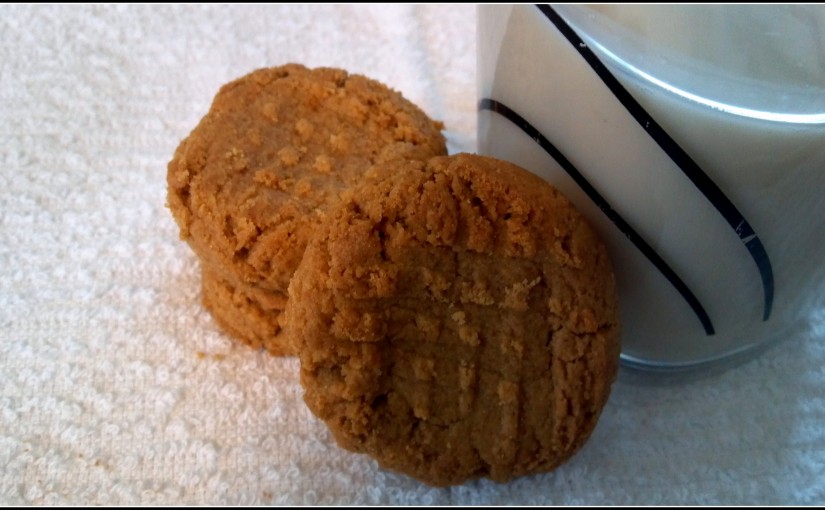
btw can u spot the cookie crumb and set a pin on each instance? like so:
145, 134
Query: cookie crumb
270, 112
323, 164
237, 159
289, 156
268, 178
476, 292
303, 188
339, 143
304, 128
459, 317
515, 296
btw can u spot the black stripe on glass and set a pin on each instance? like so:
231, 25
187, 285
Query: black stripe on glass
621, 224
692, 170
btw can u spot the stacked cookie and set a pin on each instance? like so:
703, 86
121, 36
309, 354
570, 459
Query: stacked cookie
455, 316
251, 182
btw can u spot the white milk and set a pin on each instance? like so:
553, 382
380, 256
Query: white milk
742, 91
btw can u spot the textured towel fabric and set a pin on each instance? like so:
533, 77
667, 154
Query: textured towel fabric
116, 387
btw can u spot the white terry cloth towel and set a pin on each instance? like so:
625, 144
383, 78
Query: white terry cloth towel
117, 388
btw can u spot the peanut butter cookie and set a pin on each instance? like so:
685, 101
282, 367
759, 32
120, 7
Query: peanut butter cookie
456, 319
277, 147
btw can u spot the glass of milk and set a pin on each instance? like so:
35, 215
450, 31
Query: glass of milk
693, 139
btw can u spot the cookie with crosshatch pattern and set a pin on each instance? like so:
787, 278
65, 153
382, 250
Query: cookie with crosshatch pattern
455, 319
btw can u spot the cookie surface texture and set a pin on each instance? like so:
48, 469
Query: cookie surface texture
252, 315
276, 148
457, 319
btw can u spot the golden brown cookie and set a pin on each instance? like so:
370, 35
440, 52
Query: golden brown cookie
456, 319
276, 148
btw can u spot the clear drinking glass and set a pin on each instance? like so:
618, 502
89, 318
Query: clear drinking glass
693, 139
